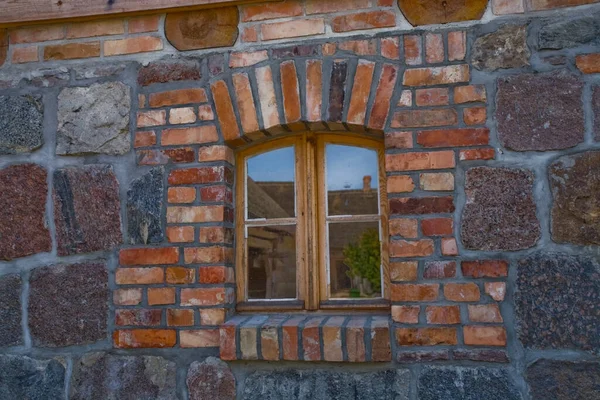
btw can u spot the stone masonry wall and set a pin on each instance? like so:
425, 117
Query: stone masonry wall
117, 143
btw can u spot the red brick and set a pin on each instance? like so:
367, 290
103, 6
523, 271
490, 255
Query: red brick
250, 34
398, 140
144, 139
176, 317
432, 97
496, 290
461, 292
151, 118
245, 103
383, 96
208, 255
404, 271
418, 161
405, 99
360, 47
405, 227
139, 276
200, 175
72, 51
502, 7
181, 195
291, 92
380, 340
413, 53
361, 89
290, 29
469, 94
484, 313
311, 339
332, 339
143, 24
400, 184
27, 54
147, 256
260, 12
477, 154
180, 275
212, 316
215, 234
225, 113
219, 193
474, 115
457, 45
205, 296
290, 338
178, 97
199, 338
390, 48
216, 153
144, 338
165, 156
406, 314
138, 44
213, 275
161, 296
485, 268
267, 98
421, 205
38, 33
426, 336
332, 6
404, 248
137, 317
588, 63
314, 95
95, 28
424, 118
437, 226
484, 336
363, 20
195, 135
449, 247
180, 234
442, 315
454, 137
127, 297
434, 48
355, 339
436, 75
415, 292
195, 214
227, 342
439, 270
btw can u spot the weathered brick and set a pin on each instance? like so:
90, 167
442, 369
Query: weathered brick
398, 140
457, 45
404, 248
436, 75
441, 181
426, 336
260, 12
363, 20
181, 195
439, 269
212, 316
437, 226
332, 6
434, 48
291, 93
195, 214
314, 96
390, 48
405, 227
180, 234
360, 47
474, 115
423, 356
225, 113
311, 339
213, 275
421, 205
328, 49
400, 184
502, 7
39, 33
165, 156
206, 255
454, 137
178, 97
449, 247
424, 118
269, 338
216, 153
199, 338
404, 271
199, 175
496, 290
183, 115
95, 28
477, 154
355, 339
290, 29
290, 338
72, 51
332, 339
178, 317
361, 89
143, 24
148, 256
194, 135
151, 118
139, 44
205, 113
250, 34
432, 97
413, 53
485, 268
588, 63
415, 292
205, 296
144, 338
267, 98
484, 335
380, 340
22, 55
469, 94
444, 315
218, 193
418, 161
406, 314
383, 96
245, 103
144, 139
227, 341
484, 313
337, 90
137, 317
461, 292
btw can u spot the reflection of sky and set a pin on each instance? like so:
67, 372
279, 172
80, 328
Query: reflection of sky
346, 166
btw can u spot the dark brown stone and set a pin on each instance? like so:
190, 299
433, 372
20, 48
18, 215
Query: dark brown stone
575, 182
596, 110
202, 29
503, 49
11, 333
540, 112
169, 71
563, 380
68, 304
500, 213
3, 45
296, 51
22, 211
337, 90
211, 379
421, 205
428, 12
86, 209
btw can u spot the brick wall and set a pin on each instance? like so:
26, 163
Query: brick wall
117, 209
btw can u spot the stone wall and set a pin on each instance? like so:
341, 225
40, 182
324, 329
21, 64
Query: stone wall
116, 209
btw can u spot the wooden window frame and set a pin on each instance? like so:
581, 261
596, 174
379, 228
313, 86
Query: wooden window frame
311, 244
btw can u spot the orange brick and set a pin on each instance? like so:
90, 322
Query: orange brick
290, 338
332, 6
361, 89
432, 97
454, 137
484, 313
215, 234
213, 275
178, 97
400, 184
176, 317
260, 12
439, 181
205, 113
205, 296
434, 48
437, 226
200, 175
426, 336
328, 49
151, 118
180, 234
496, 290
266, 96
360, 47
588, 63
181, 195
398, 140
21, 55
183, 115
457, 45
404, 271
383, 96
485, 268
140, 44
436, 75
39, 33
404, 248
147, 256
477, 154
72, 51
199, 338
216, 153
95, 28
405, 227
212, 316
225, 113
311, 339
413, 50
144, 139
474, 115
246, 59
143, 24
208, 255
127, 297
144, 338
415, 292
484, 335
290, 29
290, 92
363, 20
314, 96
461, 292
332, 339
180, 275
161, 296
444, 315
245, 103
406, 314
195, 135
139, 276
390, 48
424, 118
195, 214
470, 93
418, 161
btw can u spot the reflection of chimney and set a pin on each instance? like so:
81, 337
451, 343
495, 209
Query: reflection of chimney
367, 183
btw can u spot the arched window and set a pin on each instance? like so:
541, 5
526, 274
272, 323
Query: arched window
312, 224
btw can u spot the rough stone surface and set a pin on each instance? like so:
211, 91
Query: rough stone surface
568, 288
540, 112
211, 379
3, 45
99, 376
144, 208
427, 12
327, 385
20, 124
169, 71
11, 333
575, 182
596, 111
500, 213
459, 383
563, 380
68, 304
26, 378
202, 29
23, 228
562, 34
94, 120
86, 209
503, 49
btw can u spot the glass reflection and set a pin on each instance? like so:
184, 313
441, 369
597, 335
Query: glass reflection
354, 260
352, 180
272, 262
270, 185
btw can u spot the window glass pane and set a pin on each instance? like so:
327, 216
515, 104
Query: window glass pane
272, 262
352, 180
270, 184
354, 260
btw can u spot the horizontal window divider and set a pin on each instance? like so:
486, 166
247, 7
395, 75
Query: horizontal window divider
266, 305
270, 222
353, 218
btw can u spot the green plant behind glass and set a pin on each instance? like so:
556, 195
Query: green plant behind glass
364, 258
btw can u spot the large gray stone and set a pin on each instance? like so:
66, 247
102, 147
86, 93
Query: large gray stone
575, 183
100, 376
211, 379
145, 201
94, 120
500, 213
540, 112
503, 49
460, 383
563, 380
11, 333
557, 302
327, 385
562, 34
20, 124
25, 378
87, 209
68, 304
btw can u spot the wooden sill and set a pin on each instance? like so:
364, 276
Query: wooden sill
342, 306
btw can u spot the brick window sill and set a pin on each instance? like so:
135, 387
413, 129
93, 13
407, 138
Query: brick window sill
301, 337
